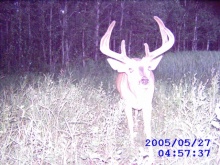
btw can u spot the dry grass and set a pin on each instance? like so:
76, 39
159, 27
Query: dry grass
80, 121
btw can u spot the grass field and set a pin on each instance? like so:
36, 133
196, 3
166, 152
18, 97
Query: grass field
78, 118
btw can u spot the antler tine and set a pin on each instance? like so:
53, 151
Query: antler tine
167, 39
147, 52
123, 51
105, 49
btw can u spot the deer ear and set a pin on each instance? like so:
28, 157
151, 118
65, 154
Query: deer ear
154, 62
117, 65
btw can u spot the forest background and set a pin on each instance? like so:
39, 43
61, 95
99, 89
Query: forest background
49, 36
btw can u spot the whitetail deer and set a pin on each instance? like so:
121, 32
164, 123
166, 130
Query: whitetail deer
135, 81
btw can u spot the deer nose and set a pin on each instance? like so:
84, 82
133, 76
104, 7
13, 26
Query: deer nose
144, 81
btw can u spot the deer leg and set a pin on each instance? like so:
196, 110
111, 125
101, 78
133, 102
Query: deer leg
128, 112
136, 119
147, 128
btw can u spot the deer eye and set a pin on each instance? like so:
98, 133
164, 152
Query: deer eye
130, 70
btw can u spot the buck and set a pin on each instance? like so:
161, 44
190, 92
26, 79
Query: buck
135, 81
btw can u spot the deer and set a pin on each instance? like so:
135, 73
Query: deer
135, 80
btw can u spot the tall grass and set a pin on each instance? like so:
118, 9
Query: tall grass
77, 118
177, 65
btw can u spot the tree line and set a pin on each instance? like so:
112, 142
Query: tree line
53, 35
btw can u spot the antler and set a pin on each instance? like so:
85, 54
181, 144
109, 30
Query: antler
104, 46
166, 44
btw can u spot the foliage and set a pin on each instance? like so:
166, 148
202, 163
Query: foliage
183, 64
77, 118
48, 36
